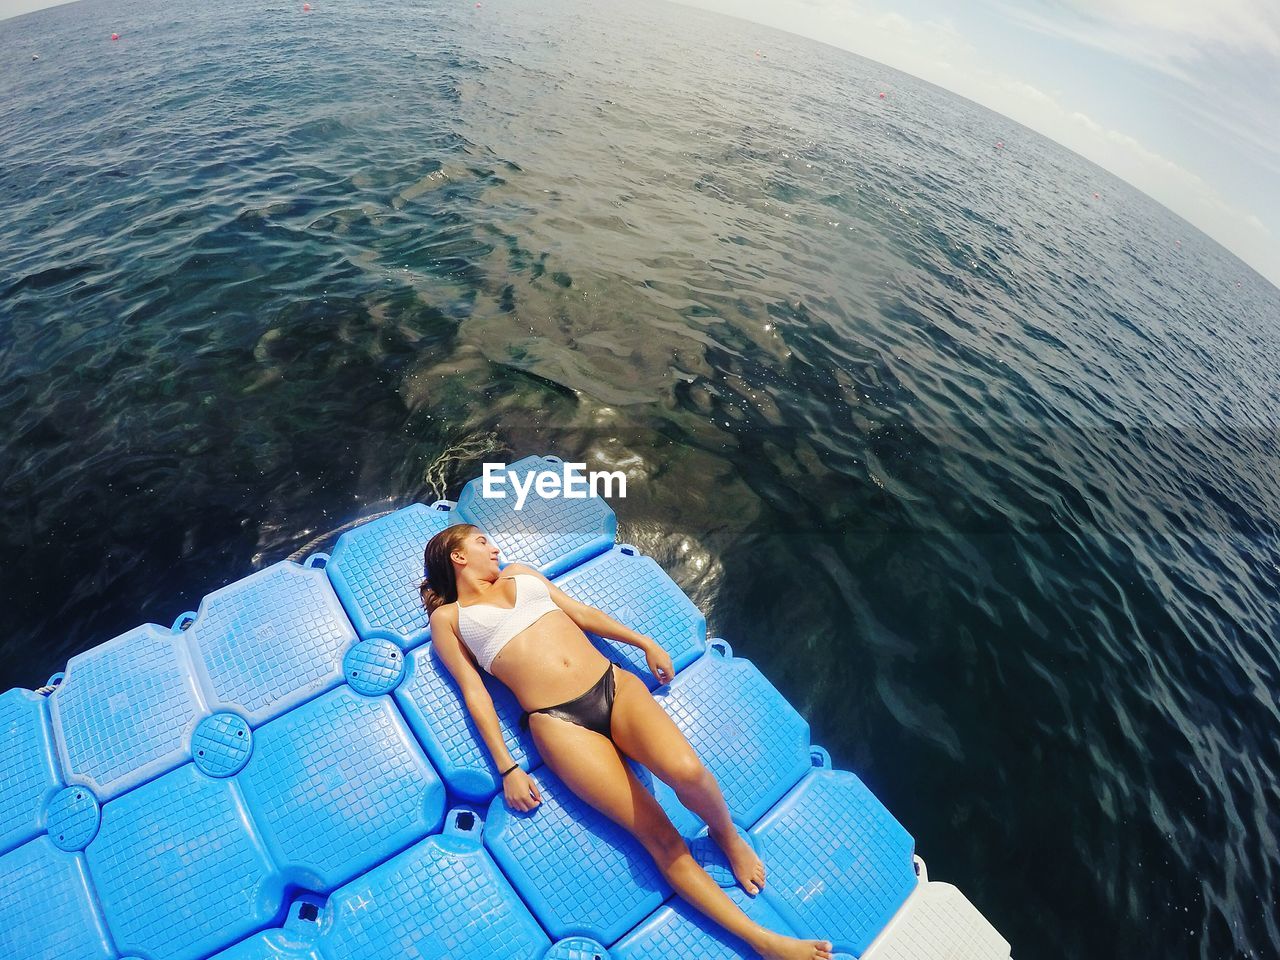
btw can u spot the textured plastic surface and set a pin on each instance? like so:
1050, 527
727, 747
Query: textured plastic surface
179, 870
222, 745
839, 863
637, 593
46, 907
376, 569
297, 939
28, 769
580, 873
577, 948
441, 899
552, 534
126, 710
712, 859
339, 785
272, 945
373, 667
269, 642
938, 923
433, 705
678, 930
72, 818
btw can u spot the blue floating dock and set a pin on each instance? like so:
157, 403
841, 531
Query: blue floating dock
289, 773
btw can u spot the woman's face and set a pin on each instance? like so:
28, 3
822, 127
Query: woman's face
480, 554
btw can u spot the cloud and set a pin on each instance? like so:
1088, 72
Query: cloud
14, 8
1207, 46
1165, 180
1182, 30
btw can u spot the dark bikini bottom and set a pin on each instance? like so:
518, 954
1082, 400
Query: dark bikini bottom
591, 710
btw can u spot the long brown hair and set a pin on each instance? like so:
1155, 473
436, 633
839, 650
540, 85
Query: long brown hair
440, 584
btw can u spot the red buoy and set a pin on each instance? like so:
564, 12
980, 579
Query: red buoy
882, 96
1096, 196
115, 36
306, 7
999, 144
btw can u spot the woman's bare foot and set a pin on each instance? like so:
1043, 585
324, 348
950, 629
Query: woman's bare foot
748, 869
789, 948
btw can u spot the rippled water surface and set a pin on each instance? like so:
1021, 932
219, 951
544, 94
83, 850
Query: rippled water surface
979, 469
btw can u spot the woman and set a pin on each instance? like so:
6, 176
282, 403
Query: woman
518, 626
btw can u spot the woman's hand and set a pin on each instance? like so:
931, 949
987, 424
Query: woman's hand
521, 792
659, 662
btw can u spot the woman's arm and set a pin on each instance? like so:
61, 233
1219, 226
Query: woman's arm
601, 624
449, 648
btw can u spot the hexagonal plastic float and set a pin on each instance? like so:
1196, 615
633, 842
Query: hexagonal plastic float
937, 922
444, 896
269, 642
433, 705
840, 866
126, 709
552, 534
636, 592
188, 863
179, 869
29, 774
337, 786
376, 569
580, 873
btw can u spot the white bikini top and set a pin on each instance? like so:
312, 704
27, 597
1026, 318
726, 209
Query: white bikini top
490, 628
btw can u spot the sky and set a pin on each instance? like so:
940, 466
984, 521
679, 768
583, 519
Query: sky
1181, 98
11, 8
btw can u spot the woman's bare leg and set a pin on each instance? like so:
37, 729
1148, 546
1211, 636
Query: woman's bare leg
591, 767
643, 731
